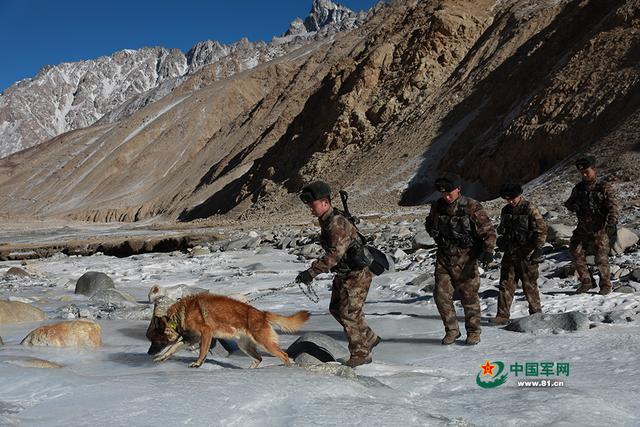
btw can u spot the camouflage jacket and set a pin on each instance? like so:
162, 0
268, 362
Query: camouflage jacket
522, 229
460, 225
342, 245
595, 205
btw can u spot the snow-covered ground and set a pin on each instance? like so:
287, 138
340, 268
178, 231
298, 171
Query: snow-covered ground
413, 380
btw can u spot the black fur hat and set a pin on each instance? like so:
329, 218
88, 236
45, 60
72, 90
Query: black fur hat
447, 182
315, 191
585, 161
510, 190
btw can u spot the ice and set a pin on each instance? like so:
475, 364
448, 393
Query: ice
417, 381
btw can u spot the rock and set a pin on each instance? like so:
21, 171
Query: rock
223, 347
74, 333
422, 240
543, 323
200, 251
285, 243
399, 255
257, 266
137, 312
621, 272
311, 251
403, 233
336, 369
1, 342
30, 362
252, 243
21, 299
236, 245
625, 238
17, 272
625, 289
621, 316
636, 274
559, 233
92, 281
112, 296
425, 281
16, 312
321, 347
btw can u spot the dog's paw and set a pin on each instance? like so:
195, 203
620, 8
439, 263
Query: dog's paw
195, 365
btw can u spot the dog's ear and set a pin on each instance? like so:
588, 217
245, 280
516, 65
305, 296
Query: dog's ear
154, 293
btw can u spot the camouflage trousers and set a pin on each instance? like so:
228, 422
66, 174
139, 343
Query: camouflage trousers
348, 295
459, 272
598, 242
511, 270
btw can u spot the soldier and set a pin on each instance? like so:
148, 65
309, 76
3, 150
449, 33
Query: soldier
596, 207
522, 234
344, 255
464, 235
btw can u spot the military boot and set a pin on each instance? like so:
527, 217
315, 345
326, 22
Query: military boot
473, 338
584, 288
450, 337
499, 320
605, 290
357, 360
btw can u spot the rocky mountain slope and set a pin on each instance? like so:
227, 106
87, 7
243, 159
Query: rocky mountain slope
492, 90
75, 95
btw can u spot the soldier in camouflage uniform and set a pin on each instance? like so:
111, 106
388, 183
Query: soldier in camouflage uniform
344, 255
522, 234
464, 235
596, 207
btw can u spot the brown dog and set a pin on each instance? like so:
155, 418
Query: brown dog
206, 316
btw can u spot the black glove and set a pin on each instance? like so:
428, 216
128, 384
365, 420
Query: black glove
304, 277
501, 244
611, 229
486, 258
536, 256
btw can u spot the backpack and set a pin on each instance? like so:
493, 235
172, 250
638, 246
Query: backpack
376, 260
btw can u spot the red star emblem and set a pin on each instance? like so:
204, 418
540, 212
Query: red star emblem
487, 368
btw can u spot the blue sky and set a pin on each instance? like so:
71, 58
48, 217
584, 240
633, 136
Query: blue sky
34, 33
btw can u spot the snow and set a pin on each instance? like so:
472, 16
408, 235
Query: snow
413, 380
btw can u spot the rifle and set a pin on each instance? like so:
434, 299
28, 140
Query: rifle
344, 197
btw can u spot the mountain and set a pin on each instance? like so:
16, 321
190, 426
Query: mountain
75, 95
495, 92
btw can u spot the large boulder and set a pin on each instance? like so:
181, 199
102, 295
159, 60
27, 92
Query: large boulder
625, 238
74, 333
550, 323
313, 347
91, 282
16, 312
559, 233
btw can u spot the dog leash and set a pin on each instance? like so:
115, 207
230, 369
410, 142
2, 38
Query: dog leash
309, 293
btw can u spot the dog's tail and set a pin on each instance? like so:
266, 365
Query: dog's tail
288, 323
